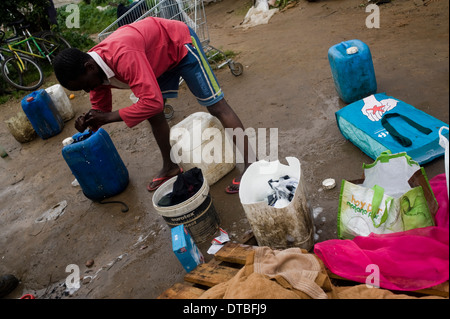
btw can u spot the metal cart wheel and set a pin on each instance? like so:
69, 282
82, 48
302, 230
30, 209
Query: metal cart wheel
168, 111
236, 68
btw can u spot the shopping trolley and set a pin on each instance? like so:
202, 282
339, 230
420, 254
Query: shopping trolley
192, 12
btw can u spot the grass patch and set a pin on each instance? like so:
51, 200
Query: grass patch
92, 20
217, 59
281, 4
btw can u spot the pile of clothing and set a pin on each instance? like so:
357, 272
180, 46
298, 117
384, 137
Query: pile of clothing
283, 191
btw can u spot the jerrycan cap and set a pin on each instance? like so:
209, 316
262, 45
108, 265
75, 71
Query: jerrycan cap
30, 99
352, 50
67, 141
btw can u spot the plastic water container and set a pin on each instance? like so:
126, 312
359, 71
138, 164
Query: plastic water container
42, 113
200, 141
96, 164
61, 101
352, 69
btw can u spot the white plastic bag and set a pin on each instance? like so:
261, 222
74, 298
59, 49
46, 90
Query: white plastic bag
258, 14
389, 200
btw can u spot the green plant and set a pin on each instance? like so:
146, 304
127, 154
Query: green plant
216, 57
78, 40
281, 4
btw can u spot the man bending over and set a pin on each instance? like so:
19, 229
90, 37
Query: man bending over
148, 57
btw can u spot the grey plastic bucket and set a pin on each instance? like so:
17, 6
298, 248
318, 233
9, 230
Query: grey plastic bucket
197, 214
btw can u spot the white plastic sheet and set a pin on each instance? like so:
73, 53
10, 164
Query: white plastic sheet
258, 14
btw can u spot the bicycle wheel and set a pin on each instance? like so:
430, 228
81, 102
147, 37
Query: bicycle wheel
27, 76
53, 43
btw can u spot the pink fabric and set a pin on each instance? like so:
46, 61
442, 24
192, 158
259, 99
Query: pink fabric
410, 260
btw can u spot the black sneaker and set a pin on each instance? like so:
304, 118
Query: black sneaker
7, 284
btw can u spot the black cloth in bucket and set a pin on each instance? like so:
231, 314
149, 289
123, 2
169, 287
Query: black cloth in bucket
186, 186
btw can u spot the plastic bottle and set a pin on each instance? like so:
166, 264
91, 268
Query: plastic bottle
352, 69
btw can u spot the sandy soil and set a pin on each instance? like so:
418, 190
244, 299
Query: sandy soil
286, 84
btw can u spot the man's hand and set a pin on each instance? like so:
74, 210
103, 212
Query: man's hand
94, 119
84, 121
80, 123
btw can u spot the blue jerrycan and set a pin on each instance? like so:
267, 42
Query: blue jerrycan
96, 164
352, 69
42, 114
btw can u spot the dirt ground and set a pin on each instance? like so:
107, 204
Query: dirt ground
286, 84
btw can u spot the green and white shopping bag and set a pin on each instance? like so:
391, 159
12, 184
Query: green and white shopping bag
394, 196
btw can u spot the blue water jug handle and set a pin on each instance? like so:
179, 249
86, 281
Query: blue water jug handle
345, 44
78, 137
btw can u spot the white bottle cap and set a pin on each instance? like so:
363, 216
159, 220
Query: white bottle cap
329, 183
352, 50
67, 141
